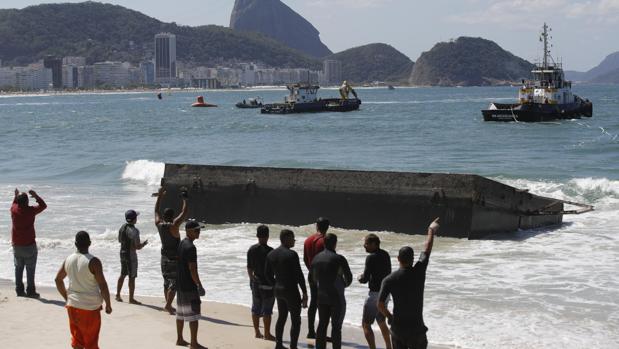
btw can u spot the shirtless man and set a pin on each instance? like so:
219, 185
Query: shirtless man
169, 233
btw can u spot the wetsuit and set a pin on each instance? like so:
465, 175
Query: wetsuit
169, 255
282, 270
314, 244
332, 274
377, 267
261, 291
406, 286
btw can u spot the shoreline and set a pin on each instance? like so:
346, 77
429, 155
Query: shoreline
32, 323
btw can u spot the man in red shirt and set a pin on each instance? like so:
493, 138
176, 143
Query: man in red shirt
314, 244
23, 240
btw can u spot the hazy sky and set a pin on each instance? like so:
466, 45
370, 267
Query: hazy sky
584, 31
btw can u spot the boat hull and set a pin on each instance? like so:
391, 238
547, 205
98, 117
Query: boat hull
321, 105
469, 206
535, 112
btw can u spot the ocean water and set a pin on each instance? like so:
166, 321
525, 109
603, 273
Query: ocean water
94, 156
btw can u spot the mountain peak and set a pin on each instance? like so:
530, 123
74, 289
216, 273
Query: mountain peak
275, 19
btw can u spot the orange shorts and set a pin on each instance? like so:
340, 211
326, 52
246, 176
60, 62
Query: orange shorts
85, 326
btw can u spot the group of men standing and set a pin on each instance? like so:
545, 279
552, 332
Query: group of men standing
275, 274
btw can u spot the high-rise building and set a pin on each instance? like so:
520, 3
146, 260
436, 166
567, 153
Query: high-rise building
55, 64
165, 58
112, 74
148, 72
332, 72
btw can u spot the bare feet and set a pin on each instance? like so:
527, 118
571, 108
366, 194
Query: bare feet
133, 301
197, 346
259, 335
269, 337
118, 299
182, 343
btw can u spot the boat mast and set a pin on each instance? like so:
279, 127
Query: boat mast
546, 51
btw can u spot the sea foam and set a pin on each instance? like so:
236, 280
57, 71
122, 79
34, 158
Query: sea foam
144, 171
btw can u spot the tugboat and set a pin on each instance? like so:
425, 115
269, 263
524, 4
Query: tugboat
548, 96
303, 99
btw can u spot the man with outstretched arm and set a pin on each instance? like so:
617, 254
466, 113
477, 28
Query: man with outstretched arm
169, 233
87, 291
283, 271
406, 286
189, 287
129, 238
23, 239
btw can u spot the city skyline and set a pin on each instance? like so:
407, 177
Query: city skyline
514, 25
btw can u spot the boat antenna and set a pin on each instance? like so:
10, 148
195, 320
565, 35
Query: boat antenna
544, 38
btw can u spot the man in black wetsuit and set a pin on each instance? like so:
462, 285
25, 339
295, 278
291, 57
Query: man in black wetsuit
283, 271
377, 267
261, 292
406, 286
169, 233
332, 275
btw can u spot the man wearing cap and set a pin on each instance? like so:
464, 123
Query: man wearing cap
189, 287
87, 291
406, 286
168, 228
129, 238
313, 245
262, 293
23, 240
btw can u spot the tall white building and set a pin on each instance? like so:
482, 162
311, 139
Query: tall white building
165, 57
332, 72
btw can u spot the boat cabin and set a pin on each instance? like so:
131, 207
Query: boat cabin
302, 93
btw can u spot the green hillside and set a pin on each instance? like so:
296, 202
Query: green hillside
469, 62
374, 62
108, 32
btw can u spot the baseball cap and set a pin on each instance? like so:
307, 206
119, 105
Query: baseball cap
193, 224
131, 215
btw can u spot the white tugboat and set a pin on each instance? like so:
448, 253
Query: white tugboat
548, 96
303, 99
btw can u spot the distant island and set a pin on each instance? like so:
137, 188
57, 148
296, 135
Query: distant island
605, 72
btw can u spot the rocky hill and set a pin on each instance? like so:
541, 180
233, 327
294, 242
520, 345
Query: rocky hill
275, 19
468, 61
605, 72
374, 62
107, 32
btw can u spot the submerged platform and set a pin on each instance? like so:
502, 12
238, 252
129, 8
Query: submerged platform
469, 206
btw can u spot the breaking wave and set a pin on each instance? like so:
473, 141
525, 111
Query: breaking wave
144, 171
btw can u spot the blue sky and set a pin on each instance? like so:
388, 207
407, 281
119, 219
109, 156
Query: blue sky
584, 31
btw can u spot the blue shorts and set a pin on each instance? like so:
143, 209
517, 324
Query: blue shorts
262, 299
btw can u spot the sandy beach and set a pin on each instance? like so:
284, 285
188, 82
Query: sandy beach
43, 323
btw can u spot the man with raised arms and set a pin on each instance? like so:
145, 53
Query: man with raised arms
168, 227
406, 286
283, 271
23, 239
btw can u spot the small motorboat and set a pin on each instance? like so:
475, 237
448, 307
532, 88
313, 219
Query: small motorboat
250, 103
201, 104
